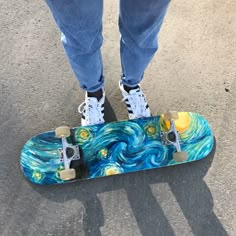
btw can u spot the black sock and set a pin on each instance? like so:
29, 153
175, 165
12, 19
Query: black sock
127, 88
98, 94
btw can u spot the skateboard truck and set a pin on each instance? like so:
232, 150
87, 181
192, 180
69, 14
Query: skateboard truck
171, 137
68, 153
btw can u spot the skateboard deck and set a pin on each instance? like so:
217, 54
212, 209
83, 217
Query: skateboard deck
116, 148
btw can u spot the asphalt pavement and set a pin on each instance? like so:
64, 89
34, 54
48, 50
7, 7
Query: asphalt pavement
194, 70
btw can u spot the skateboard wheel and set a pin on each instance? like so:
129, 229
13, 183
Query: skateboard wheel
171, 115
67, 174
63, 131
180, 156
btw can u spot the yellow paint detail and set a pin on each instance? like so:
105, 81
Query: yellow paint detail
104, 152
37, 175
183, 123
111, 172
151, 130
84, 134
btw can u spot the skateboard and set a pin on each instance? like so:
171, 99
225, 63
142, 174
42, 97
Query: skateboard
86, 152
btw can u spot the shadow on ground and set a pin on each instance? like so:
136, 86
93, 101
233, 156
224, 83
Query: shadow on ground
109, 112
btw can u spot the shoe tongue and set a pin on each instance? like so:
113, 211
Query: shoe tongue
92, 99
133, 91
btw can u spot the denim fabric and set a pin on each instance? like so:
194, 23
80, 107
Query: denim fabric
80, 22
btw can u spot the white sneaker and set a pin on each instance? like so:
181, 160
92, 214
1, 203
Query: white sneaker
136, 102
92, 110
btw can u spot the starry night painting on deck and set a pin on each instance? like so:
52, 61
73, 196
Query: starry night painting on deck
116, 148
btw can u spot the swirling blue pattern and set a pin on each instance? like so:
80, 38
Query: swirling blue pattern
115, 148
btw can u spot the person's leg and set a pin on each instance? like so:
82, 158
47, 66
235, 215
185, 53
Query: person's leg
140, 22
80, 22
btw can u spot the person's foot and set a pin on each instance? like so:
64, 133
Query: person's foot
92, 109
136, 101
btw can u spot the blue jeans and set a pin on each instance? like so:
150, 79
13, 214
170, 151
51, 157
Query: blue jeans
80, 22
